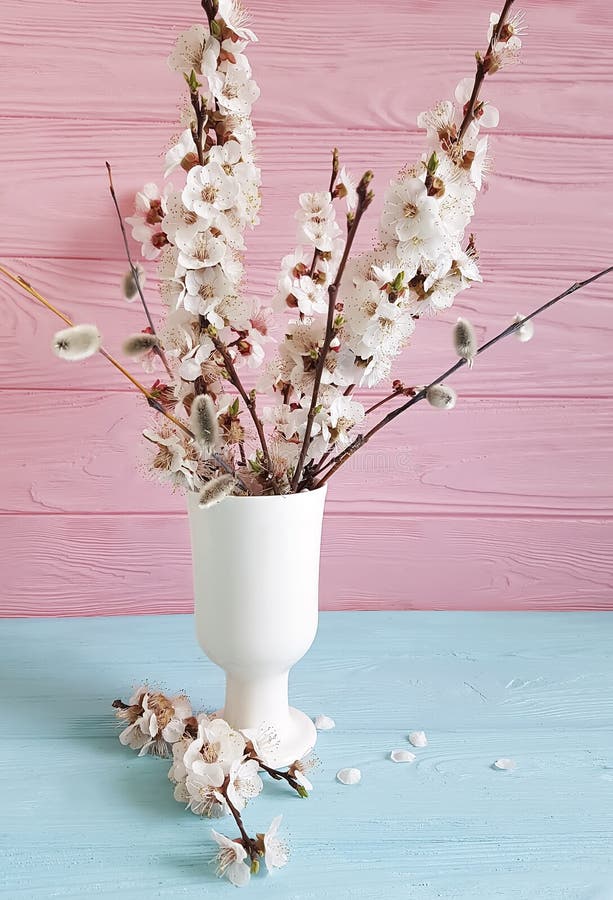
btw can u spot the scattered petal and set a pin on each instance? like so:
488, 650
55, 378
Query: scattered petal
402, 756
418, 738
324, 723
349, 776
508, 764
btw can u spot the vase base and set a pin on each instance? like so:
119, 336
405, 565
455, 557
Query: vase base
295, 740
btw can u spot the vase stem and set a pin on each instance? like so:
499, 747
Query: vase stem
252, 701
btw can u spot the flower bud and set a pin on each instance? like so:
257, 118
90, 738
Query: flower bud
216, 490
465, 341
441, 397
526, 331
77, 342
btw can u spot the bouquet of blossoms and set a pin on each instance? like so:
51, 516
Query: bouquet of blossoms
216, 429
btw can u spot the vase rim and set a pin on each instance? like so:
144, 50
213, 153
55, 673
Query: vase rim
234, 498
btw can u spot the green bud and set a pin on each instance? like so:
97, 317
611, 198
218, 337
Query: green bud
233, 409
302, 791
255, 866
215, 28
398, 283
432, 164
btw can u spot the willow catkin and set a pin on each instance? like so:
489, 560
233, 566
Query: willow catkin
140, 343
77, 342
216, 490
465, 341
526, 331
440, 396
203, 421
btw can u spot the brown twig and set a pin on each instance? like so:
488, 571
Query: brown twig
365, 197
482, 69
158, 350
249, 402
362, 439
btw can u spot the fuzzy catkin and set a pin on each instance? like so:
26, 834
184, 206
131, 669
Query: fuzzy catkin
138, 344
203, 421
465, 341
441, 397
129, 284
77, 342
526, 331
216, 490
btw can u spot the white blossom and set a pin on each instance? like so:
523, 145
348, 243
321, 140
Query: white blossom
230, 860
276, 853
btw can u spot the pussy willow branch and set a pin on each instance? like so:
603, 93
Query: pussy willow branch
150, 398
362, 439
364, 200
158, 350
482, 68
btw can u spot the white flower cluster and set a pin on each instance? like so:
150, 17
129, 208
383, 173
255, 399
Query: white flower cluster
422, 261
215, 771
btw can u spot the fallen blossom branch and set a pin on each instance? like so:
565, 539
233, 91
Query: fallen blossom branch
339, 460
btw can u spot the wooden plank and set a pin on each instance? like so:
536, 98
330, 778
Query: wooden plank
85, 454
63, 209
532, 687
117, 564
571, 356
355, 66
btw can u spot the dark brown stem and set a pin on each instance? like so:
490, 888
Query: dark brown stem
482, 68
279, 775
248, 842
249, 402
201, 117
364, 199
362, 439
158, 350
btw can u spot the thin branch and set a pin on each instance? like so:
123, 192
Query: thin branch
365, 197
158, 350
362, 439
249, 402
482, 68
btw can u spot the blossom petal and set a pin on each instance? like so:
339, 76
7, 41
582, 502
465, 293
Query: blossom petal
349, 776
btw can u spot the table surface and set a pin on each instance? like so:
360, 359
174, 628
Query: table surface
83, 816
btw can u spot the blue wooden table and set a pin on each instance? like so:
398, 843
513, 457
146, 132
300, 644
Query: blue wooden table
83, 816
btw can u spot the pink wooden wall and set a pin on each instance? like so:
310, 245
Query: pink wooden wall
506, 502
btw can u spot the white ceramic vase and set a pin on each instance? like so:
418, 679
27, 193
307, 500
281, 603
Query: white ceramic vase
256, 578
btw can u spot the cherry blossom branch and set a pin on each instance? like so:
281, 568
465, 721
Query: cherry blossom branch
365, 197
280, 775
362, 439
158, 350
482, 70
249, 401
333, 177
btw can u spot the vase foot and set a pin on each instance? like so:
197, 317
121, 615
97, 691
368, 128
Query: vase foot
296, 738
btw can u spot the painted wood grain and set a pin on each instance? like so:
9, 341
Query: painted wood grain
533, 687
524, 213
484, 457
353, 65
523, 455
572, 355
118, 564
